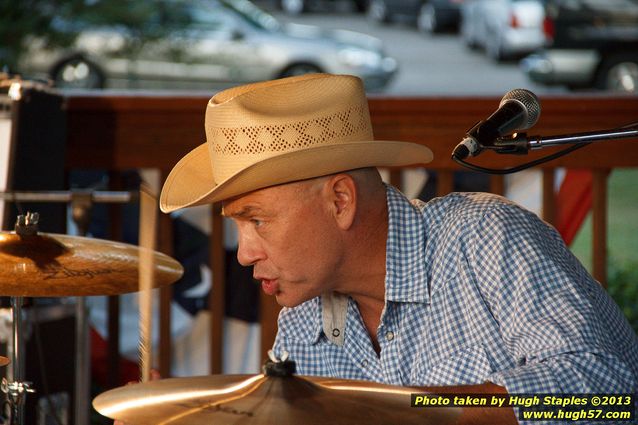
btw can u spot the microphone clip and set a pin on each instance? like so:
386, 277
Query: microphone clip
470, 145
516, 144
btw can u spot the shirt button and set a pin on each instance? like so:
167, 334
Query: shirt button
389, 336
336, 332
364, 363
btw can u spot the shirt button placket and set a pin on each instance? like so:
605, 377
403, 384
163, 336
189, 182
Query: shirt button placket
389, 358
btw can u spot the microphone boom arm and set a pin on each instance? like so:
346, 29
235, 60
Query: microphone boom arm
521, 143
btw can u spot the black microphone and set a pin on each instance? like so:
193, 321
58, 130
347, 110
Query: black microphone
519, 110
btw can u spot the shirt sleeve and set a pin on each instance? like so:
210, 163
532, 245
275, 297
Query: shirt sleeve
563, 330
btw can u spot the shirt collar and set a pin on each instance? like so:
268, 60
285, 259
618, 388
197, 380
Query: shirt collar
405, 269
405, 261
331, 320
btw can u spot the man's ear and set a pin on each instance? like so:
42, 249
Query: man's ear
340, 191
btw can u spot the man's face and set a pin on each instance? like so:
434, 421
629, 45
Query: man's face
289, 235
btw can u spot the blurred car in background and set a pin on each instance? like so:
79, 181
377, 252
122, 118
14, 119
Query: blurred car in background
592, 44
297, 7
430, 16
207, 44
503, 28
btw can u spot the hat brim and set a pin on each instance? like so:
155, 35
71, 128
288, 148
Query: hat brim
191, 181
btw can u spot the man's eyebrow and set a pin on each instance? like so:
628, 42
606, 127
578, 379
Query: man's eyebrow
246, 211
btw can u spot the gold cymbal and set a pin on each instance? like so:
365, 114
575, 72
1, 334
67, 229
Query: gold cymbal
4, 361
52, 265
261, 400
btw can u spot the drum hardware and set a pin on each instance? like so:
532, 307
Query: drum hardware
14, 386
16, 393
60, 265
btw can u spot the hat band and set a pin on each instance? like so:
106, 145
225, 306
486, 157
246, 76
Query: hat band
260, 139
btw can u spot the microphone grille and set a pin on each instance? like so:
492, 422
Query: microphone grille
529, 101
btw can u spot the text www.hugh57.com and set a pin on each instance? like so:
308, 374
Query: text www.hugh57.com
574, 415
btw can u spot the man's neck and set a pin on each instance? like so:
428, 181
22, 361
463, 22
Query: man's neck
368, 266
363, 271
370, 310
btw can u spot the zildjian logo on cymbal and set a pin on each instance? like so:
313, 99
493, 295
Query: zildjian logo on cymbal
59, 272
214, 407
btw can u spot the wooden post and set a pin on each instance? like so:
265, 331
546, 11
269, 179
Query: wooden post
445, 182
113, 312
113, 343
165, 245
549, 197
497, 184
599, 225
166, 296
396, 178
216, 301
269, 312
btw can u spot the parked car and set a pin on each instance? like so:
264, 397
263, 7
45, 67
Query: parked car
297, 7
430, 16
209, 44
593, 44
503, 28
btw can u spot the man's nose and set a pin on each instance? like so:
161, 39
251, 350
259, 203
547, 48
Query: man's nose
248, 251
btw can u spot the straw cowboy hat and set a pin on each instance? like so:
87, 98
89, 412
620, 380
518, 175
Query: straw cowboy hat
280, 131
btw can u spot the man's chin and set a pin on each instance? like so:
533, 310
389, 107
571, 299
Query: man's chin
289, 302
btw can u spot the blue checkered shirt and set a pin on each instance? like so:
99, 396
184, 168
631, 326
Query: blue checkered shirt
477, 289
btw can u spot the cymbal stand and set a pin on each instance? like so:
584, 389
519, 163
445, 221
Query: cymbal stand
81, 203
14, 385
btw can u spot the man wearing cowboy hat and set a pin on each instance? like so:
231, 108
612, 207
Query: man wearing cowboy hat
468, 289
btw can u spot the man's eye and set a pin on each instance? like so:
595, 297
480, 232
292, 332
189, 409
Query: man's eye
256, 222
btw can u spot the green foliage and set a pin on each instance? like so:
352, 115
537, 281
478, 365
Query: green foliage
141, 19
623, 287
58, 22
20, 19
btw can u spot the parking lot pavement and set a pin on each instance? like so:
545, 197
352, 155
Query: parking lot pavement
428, 65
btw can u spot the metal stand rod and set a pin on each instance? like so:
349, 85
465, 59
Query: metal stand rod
18, 344
15, 388
67, 196
538, 142
17, 415
82, 362
81, 206
520, 143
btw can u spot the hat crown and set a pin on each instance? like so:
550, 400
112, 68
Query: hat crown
248, 124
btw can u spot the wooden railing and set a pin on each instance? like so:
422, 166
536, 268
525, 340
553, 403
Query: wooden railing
119, 132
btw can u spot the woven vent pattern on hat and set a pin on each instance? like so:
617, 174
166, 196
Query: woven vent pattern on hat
290, 136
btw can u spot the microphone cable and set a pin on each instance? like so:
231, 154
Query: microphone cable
520, 167
529, 164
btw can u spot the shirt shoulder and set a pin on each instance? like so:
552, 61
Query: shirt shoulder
464, 205
454, 217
